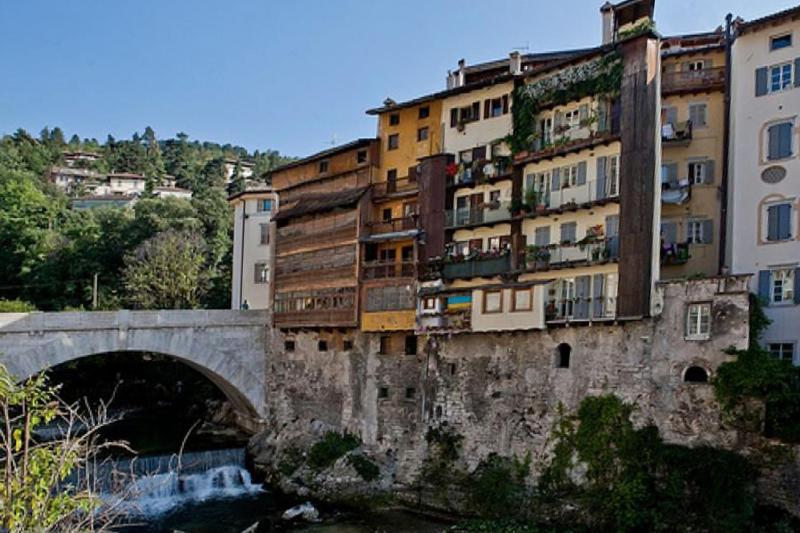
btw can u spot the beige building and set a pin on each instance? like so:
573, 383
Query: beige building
253, 247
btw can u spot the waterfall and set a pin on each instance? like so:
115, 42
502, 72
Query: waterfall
156, 484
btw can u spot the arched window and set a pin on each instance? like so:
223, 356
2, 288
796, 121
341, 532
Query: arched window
563, 353
695, 374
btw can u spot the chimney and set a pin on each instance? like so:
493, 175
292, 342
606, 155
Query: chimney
461, 75
451, 79
515, 63
607, 16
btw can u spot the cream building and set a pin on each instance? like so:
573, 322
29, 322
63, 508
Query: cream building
764, 197
253, 247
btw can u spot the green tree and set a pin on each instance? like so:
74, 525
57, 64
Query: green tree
166, 272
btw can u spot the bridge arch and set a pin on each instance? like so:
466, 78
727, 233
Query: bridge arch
227, 347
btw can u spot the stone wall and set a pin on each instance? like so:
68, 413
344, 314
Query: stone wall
501, 391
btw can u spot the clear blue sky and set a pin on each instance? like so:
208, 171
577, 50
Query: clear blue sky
287, 75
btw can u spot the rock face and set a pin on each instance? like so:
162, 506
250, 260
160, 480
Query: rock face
499, 392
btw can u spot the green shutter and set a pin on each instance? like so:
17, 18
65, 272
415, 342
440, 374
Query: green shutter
761, 81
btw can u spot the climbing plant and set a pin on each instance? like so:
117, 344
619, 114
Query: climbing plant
601, 77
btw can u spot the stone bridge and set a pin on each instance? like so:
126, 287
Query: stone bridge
227, 347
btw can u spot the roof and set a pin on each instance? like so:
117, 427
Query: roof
76, 172
126, 175
253, 191
318, 203
107, 197
172, 189
755, 24
241, 162
352, 145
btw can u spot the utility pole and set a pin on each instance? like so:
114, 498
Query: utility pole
94, 291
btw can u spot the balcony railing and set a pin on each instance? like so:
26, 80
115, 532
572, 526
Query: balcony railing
572, 195
400, 185
676, 192
674, 253
485, 267
551, 257
692, 80
603, 307
607, 123
477, 172
497, 212
676, 133
388, 270
392, 226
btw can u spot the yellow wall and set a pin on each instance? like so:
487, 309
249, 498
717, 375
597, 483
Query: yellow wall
389, 320
409, 150
584, 218
707, 143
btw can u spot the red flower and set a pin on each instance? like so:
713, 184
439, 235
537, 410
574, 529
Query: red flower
451, 170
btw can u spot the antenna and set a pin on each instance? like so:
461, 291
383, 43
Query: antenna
526, 48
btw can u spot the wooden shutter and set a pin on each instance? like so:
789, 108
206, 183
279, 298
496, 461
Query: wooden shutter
602, 115
784, 221
582, 287
583, 113
796, 84
671, 115
505, 103
707, 231
555, 179
569, 231
453, 117
542, 236
581, 180
476, 110
697, 114
598, 302
487, 108
670, 231
558, 120
774, 141
612, 235
601, 177
764, 281
785, 140
412, 173
797, 285
709, 172
761, 81
772, 223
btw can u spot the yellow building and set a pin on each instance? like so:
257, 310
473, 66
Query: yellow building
407, 132
693, 111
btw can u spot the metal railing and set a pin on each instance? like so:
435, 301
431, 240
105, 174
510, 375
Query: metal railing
674, 253
603, 307
388, 269
575, 195
497, 212
690, 80
537, 259
479, 267
676, 133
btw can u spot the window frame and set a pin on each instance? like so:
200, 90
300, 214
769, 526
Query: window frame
774, 38
361, 157
393, 141
423, 112
785, 85
517, 309
422, 134
260, 273
486, 293
782, 354
765, 219
704, 106
694, 327
324, 166
787, 286
263, 235
394, 119
768, 137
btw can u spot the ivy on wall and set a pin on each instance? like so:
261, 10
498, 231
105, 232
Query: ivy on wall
601, 77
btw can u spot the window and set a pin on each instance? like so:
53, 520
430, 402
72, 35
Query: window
261, 273
429, 303
386, 215
779, 222
496, 107
699, 232
324, 165
494, 244
612, 176
411, 345
695, 374
698, 114
264, 228
782, 350
782, 286
422, 134
572, 119
322, 346
779, 141
361, 156
391, 175
780, 77
394, 141
264, 205
568, 232
383, 392
698, 321
383, 349
563, 353
410, 393
424, 112
347, 345
494, 199
569, 176
522, 300
394, 119
780, 41
696, 65
288, 346
542, 236
697, 174
492, 301
463, 115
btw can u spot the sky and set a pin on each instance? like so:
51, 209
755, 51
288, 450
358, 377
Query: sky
294, 76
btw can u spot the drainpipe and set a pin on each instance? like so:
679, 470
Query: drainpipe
726, 139
241, 254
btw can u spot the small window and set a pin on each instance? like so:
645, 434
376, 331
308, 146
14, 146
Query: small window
361, 156
386, 214
429, 303
322, 346
779, 141
779, 222
384, 345
698, 172
261, 273
695, 374
422, 134
522, 299
780, 77
383, 392
492, 301
782, 350
323, 166
563, 354
699, 232
391, 175
394, 119
696, 65
452, 369
698, 321
780, 41
264, 204
782, 286
698, 114
410, 393
424, 111
569, 231
264, 229
394, 141
411, 345
347, 345
288, 346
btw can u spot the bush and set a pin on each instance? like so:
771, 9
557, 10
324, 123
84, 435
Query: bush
497, 488
292, 460
332, 446
368, 470
15, 306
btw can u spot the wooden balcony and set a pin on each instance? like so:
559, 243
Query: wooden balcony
400, 186
316, 318
394, 225
388, 270
290, 243
693, 81
559, 256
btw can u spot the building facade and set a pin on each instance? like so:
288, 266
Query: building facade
253, 248
764, 198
